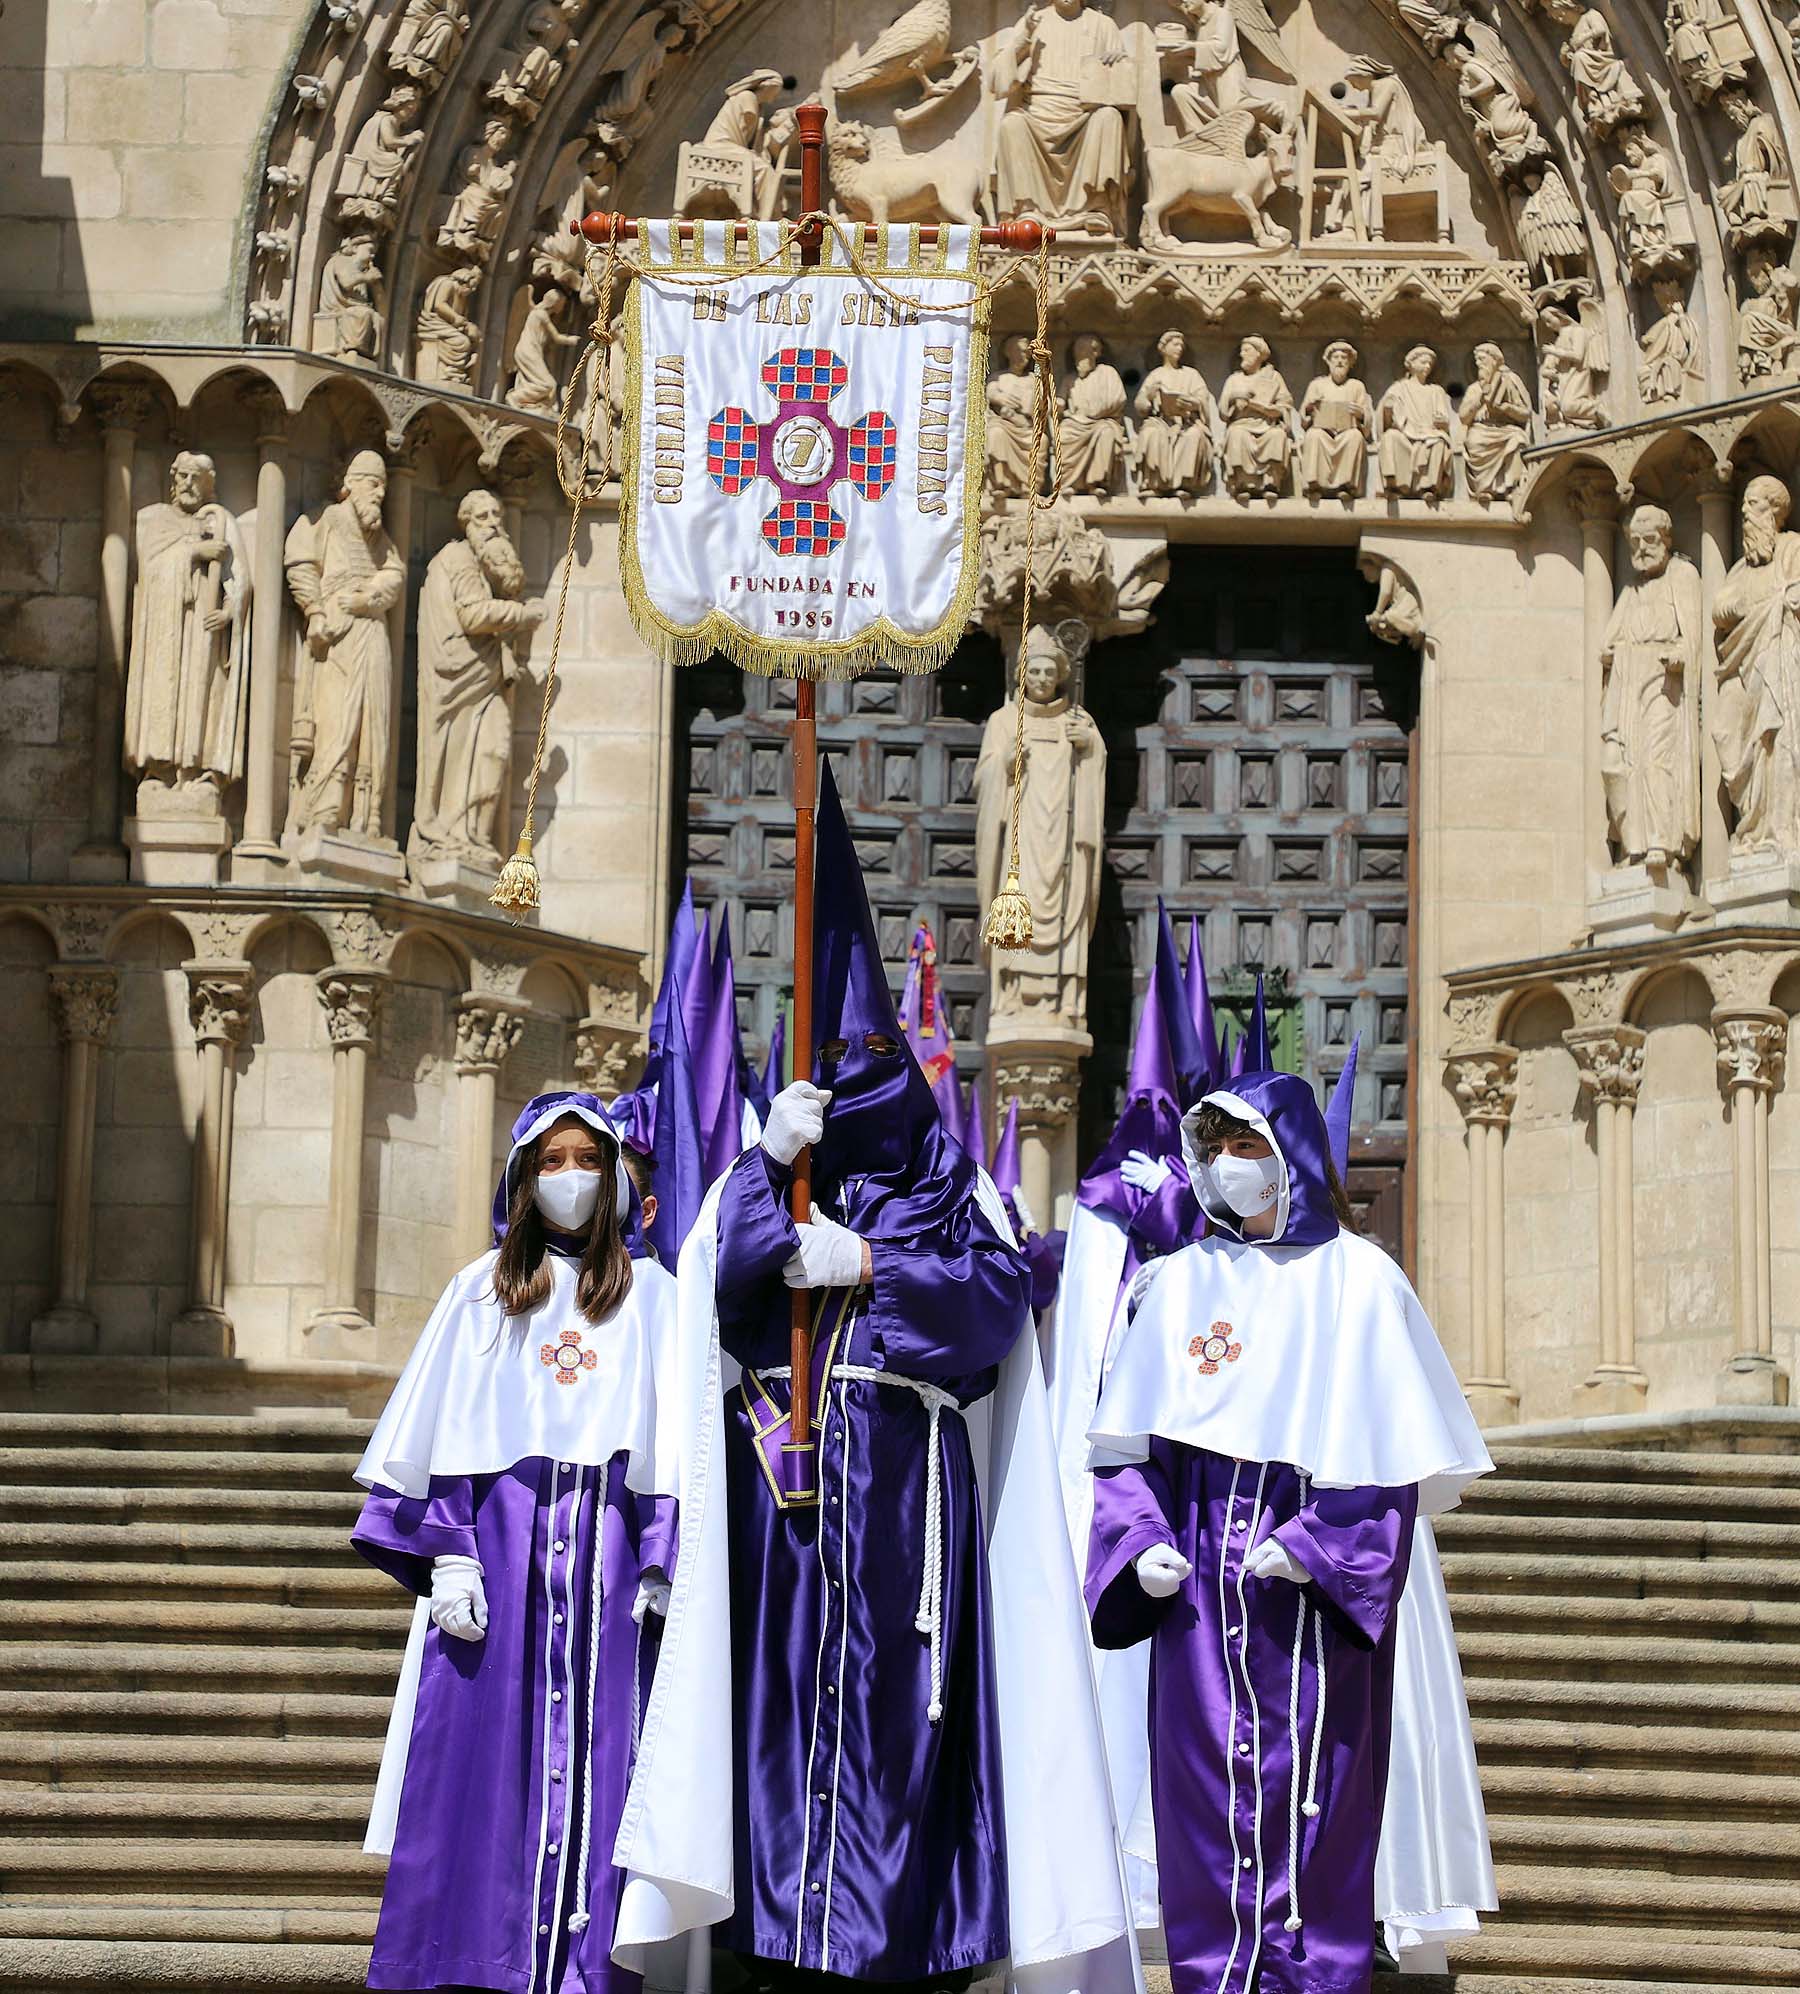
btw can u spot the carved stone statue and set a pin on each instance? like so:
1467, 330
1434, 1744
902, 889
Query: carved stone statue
1550, 231
1398, 616
911, 46
1756, 629
534, 64
428, 40
1758, 201
1767, 335
1060, 832
1649, 757
621, 109
374, 171
188, 672
473, 633
882, 185
1645, 184
1176, 417
1068, 83
1257, 406
1670, 368
1336, 418
345, 574
736, 168
1388, 131
446, 340
1572, 357
1489, 96
537, 372
1011, 398
1496, 418
1707, 45
352, 302
477, 211
1091, 435
1416, 439
1604, 87
1231, 166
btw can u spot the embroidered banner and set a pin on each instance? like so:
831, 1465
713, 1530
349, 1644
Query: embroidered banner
802, 456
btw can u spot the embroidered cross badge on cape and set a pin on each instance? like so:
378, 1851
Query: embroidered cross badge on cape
567, 1358
1215, 1348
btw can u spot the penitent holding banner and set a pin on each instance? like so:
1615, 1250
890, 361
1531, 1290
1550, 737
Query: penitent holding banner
802, 450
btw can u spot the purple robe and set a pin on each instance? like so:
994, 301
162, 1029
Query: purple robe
1232, 1759
510, 1785
869, 1840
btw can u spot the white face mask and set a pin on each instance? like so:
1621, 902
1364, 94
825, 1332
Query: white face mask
1250, 1185
567, 1198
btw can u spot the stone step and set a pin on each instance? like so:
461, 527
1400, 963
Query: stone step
350, 1582
289, 1430
272, 1671
1647, 1792
369, 1629
1755, 1851
1494, 1532
192, 1924
147, 1467
1724, 1706
207, 1713
197, 1543
275, 1815
1718, 1908
70, 1761
1632, 1747
44, 1869
1558, 1953
125, 1966
109, 1505
1578, 1579
1571, 1466
1718, 1618
1753, 1502
1582, 1657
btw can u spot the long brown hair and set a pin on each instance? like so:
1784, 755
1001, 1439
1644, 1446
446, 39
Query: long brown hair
522, 1273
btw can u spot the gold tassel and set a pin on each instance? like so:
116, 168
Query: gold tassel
516, 890
1009, 918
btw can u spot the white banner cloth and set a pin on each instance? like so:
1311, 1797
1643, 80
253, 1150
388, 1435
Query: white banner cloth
803, 448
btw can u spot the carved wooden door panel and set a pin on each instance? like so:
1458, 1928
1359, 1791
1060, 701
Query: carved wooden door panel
1258, 775
903, 752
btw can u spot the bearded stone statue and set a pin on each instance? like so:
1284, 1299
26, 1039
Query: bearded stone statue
1756, 625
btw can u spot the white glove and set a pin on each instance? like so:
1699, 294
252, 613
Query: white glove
1273, 1560
796, 1120
652, 1597
1160, 1571
1022, 1211
1145, 1173
830, 1256
458, 1603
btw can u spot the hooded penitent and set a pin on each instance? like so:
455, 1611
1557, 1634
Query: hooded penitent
909, 1695
546, 1449
1277, 1384
1200, 1010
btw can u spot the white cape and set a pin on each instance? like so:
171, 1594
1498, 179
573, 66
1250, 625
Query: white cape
1070, 1930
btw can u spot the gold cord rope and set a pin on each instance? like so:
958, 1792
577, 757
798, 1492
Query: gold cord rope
517, 890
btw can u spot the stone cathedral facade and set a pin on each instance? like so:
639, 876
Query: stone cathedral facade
1420, 556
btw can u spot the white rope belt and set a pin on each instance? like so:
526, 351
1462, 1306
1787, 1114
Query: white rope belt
1310, 1806
929, 1619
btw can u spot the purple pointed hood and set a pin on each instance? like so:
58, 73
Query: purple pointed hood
678, 963
1339, 1112
544, 1111
974, 1136
678, 1140
885, 1152
718, 1070
925, 1024
1149, 1121
1284, 1109
1199, 1000
1192, 1073
1257, 1056
774, 1073
1006, 1171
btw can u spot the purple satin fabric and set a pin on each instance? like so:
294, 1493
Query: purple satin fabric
1221, 1674
1291, 1109
870, 1842
465, 1896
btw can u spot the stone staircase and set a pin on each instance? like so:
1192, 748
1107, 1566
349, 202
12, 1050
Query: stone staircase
195, 1672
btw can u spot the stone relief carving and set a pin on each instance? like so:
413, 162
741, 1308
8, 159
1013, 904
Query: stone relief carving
1758, 200
1066, 83
352, 302
882, 184
1485, 1083
1756, 631
736, 170
1473, 1015
1604, 87
474, 634
1073, 567
536, 60
428, 40
1707, 45
1060, 831
1768, 327
1091, 433
621, 110
1416, 437
537, 368
1610, 1062
1336, 421
345, 574
446, 340
1176, 420
1752, 1050
188, 671
1398, 616
477, 210
375, 169
1571, 360
86, 1000
1652, 214
1011, 400
1649, 657
1550, 229
1487, 87
352, 999
1669, 352
1257, 407
1495, 417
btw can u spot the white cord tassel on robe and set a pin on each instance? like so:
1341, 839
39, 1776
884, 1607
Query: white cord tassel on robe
1309, 1808
578, 1918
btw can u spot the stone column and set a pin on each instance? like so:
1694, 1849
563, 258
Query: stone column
1594, 500
1486, 1084
1752, 1044
487, 1029
1715, 559
398, 512
1045, 1079
219, 996
258, 858
351, 994
1611, 1059
121, 410
86, 997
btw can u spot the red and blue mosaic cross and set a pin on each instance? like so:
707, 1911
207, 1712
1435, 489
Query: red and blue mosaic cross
803, 450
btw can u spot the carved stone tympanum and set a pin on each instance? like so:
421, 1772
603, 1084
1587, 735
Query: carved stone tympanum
1091, 434
1257, 406
1176, 415
352, 301
1669, 351
1416, 438
375, 168
1066, 81
1336, 418
446, 339
1496, 417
